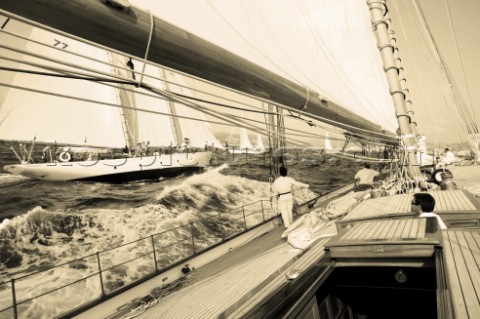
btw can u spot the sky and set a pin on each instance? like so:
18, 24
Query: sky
458, 45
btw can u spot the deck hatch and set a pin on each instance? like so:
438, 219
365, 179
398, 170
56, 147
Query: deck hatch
407, 237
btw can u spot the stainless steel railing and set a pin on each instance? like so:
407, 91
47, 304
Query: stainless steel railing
99, 275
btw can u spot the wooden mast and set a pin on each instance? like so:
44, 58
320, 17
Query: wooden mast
378, 10
129, 30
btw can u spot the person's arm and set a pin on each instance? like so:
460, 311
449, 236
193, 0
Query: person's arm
299, 184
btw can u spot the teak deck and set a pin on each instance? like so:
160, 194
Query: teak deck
455, 206
234, 285
224, 293
462, 255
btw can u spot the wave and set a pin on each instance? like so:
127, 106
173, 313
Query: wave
47, 237
7, 180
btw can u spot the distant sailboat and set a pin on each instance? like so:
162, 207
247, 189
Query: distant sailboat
79, 112
327, 143
246, 146
259, 146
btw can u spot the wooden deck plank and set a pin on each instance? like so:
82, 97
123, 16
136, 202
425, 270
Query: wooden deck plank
403, 204
475, 245
370, 231
377, 230
352, 233
390, 235
406, 231
463, 272
454, 282
461, 256
212, 296
440, 204
455, 200
447, 196
302, 264
422, 232
469, 250
386, 229
397, 205
458, 198
469, 202
400, 228
415, 229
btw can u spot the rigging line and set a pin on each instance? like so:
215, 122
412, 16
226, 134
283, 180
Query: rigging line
349, 85
29, 40
272, 35
152, 25
450, 20
5, 24
118, 67
59, 32
69, 72
245, 39
219, 104
416, 72
103, 62
59, 62
101, 103
112, 76
106, 80
235, 119
442, 63
93, 44
50, 47
68, 76
429, 112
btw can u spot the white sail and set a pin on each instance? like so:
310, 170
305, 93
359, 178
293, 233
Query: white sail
193, 124
259, 146
327, 143
322, 44
29, 114
245, 143
156, 125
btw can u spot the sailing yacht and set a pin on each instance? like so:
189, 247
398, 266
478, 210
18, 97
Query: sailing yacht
245, 146
77, 113
379, 260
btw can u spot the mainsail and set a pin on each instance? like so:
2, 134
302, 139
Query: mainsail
350, 91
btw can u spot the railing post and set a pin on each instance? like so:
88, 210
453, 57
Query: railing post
154, 254
193, 238
100, 273
14, 300
244, 218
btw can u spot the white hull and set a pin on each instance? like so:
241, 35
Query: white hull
247, 151
115, 170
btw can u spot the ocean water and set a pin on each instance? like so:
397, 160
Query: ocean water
44, 223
